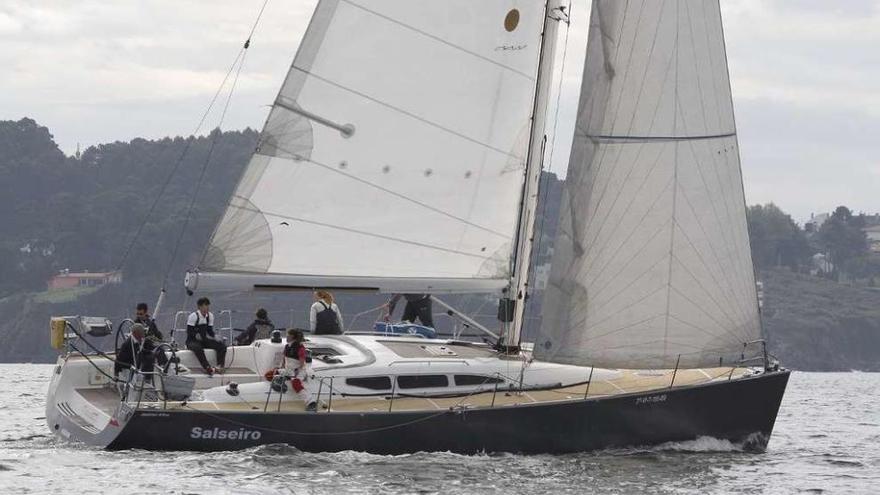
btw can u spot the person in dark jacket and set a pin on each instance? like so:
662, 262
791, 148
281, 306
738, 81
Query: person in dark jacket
153, 334
143, 317
200, 336
261, 328
136, 351
417, 306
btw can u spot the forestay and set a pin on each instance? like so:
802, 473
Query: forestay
652, 263
393, 156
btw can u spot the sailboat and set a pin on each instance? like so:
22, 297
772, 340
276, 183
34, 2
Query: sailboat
403, 154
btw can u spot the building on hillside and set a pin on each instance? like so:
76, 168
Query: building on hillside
821, 264
873, 235
816, 221
66, 279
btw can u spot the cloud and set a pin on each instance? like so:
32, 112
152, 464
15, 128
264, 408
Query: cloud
9, 24
804, 77
85, 68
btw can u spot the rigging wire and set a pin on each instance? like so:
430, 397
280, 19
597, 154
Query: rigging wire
205, 165
237, 62
176, 166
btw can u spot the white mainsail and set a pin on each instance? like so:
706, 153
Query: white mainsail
652, 266
393, 157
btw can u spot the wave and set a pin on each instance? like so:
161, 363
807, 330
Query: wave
753, 443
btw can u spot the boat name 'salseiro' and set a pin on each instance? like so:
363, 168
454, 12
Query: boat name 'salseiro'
218, 434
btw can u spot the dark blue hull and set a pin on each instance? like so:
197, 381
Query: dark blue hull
742, 410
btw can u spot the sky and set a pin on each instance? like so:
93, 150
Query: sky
804, 74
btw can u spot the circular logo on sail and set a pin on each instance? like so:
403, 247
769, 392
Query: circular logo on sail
511, 21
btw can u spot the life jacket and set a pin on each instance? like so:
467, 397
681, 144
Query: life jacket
292, 362
326, 321
203, 328
291, 351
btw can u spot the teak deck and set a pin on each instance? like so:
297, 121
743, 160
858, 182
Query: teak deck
628, 382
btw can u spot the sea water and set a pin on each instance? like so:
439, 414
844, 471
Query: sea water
827, 440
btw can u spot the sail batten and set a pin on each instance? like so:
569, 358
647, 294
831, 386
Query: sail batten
651, 266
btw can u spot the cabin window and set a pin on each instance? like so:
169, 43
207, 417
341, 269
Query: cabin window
422, 381
370, 382
476, 380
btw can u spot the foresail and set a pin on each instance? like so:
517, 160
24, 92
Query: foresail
395, 149
652, 264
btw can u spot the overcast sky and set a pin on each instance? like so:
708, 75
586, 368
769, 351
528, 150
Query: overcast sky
805, 74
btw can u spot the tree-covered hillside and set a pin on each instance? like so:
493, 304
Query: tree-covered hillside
82, 213
62, 212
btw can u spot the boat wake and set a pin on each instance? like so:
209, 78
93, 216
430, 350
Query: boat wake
754, 443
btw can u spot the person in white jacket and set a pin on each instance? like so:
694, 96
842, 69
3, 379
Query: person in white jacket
324, 316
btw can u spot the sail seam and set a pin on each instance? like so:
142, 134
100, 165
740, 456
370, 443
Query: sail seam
727, 242
404, 112
693, 276
648, 139
740, 233
625, 327
361, 232
697, 69
439, 40
674, 188
397, 195
601, 250
601, 163
619, 311
727, 333
698, 351
722, 338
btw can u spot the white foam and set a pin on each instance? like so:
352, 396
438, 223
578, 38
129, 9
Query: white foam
702, 444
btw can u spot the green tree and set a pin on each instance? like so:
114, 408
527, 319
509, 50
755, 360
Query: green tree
842, 237
776, 240
61, 212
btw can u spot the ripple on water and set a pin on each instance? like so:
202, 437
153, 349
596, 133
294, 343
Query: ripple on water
812, 451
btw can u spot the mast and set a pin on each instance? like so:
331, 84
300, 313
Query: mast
512, 306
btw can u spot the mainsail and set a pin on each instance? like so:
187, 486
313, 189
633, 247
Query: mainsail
393, 157
652, 266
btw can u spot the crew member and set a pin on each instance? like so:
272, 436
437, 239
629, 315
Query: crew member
134, 352
324, 315
262, 327
417, 306
153, 334
200, 336
296, 366
143, 317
